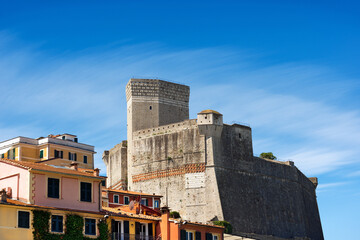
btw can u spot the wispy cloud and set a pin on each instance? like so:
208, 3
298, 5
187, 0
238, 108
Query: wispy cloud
326, 186
288, 105
354, 174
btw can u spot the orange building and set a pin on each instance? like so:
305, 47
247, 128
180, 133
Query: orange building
178, 229
115, 198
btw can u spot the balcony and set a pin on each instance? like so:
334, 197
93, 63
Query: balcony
126, 236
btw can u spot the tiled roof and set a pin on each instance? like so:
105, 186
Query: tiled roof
131, 192
19, 203
210, 111
48, 168
123, 213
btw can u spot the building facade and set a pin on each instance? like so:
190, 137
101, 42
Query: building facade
115, 198
55, 149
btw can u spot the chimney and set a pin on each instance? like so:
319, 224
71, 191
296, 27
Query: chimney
74, 166
9, 192
3, 197
96, 172
165, 224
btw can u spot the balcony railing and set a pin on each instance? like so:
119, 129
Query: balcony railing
126, 236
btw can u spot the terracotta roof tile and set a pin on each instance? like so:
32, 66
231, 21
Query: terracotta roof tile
131, 192
121, 212
48, 168
19, 203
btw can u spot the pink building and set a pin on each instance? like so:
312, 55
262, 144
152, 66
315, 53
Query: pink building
52, 186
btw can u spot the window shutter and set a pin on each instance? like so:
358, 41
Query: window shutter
150, 227
197, 235
70, 156
126, 227
182, 234
62, 154
147, 202
209, 236
75, 156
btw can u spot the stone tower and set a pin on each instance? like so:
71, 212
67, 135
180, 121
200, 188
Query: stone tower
152, 103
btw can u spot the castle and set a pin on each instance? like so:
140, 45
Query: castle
206, 170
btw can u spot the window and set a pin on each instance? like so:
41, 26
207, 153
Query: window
197, 235
215, 237
189, 235
58, 154
85, 192
23, 219
116, 198
63, 137
145, 201
57, 223
209, 236
156, 204
90, 228
85, 159
126, 200
150, 107
72, 156
53, 187
41, 153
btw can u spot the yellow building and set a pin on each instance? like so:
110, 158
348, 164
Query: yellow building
16, 220
55, 149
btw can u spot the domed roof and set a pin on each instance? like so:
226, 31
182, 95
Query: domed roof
210, 111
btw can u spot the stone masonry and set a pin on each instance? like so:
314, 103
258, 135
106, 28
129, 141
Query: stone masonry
206, 170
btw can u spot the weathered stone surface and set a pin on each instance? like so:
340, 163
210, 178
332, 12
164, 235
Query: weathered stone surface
206, 169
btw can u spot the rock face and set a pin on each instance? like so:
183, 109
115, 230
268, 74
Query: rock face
206, 169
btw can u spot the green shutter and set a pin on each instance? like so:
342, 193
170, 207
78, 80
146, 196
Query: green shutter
182, 234
197, 235
41, 153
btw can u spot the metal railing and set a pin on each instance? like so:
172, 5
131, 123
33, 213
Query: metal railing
126, 236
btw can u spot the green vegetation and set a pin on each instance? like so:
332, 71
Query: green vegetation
227, 225
74, 225
174, 214
268, 155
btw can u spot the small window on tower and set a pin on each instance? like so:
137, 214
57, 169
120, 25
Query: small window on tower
240, 135
150, 107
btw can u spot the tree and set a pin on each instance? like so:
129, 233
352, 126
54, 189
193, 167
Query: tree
174, 214
227, 225
268, 155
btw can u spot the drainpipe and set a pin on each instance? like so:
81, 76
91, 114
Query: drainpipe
165, 224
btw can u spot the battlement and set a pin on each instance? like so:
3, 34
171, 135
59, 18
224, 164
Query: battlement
153, 103
172, 93
164, 129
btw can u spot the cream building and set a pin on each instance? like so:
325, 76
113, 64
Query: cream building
54, 149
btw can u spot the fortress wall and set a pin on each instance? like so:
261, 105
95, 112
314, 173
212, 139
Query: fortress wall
170, 160
263, 196
116, 166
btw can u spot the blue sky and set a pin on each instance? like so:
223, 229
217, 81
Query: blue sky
290, 69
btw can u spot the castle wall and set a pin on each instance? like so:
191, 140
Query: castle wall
263, 196
209, 178
170, 161
116, 166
